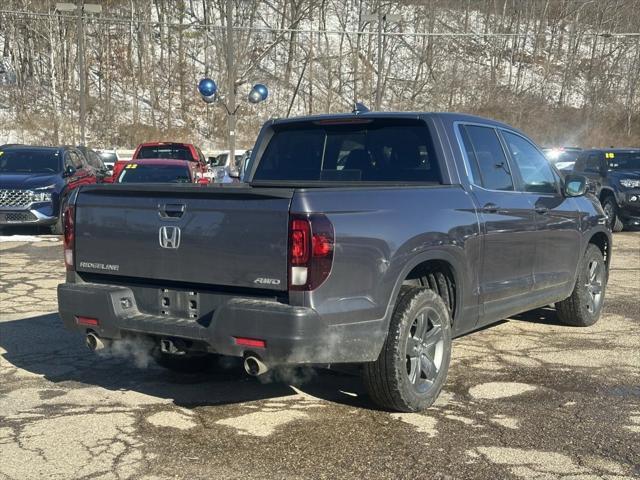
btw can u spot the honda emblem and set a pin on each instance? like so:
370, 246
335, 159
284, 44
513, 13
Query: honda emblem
169, 237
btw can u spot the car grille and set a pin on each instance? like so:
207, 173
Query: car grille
17, 217
16, 198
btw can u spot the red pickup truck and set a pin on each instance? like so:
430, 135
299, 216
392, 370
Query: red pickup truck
159, 170
172, 150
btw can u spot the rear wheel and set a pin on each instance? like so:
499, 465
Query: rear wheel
583, 307
610, 208
414, 361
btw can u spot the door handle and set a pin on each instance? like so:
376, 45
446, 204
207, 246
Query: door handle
542, 210
490, 208
171, 210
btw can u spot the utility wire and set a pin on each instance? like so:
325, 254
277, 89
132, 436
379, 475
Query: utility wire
205, 26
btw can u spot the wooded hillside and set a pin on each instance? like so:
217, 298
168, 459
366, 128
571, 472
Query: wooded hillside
561, 70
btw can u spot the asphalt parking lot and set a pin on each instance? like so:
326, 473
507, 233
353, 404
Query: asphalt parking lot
527, 398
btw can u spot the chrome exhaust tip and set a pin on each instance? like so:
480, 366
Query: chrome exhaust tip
254, 366
94, 342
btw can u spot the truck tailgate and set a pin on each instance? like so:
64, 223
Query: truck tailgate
233, 236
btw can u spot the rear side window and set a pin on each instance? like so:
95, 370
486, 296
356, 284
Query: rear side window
485, 150
177, 152
370, 150
536, 173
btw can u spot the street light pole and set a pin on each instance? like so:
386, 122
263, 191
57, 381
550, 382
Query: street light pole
83, 104
231, 83
383, 19
80, 8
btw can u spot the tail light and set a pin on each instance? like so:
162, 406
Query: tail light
311, 245
68, 220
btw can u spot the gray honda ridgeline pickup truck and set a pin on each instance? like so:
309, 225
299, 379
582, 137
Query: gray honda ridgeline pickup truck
371, 239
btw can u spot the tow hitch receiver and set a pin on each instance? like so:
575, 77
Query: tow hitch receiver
171, 347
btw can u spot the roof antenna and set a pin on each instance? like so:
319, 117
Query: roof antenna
359, 108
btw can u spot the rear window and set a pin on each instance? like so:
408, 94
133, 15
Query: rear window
367, 151
177, 152
136, 173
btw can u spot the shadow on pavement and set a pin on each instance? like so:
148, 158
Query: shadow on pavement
544, 316
42, 346
24, 230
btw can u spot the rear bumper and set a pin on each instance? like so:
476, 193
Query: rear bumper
293, 335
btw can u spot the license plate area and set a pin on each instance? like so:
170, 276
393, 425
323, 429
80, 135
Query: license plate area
178, 303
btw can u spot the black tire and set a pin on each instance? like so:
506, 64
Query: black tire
57, 228
582, 309
183, 363
610, 207
388, 378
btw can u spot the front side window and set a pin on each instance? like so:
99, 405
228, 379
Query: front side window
537, 175
377, 150
593, 163
76, 159
485, 150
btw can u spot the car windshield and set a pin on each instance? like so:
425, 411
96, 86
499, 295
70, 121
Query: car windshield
565, 156
24, 160
380, 150
624, 160
137, 173
220, 160
109, 157
177, 152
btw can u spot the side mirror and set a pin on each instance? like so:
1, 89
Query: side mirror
575, 185
69, 171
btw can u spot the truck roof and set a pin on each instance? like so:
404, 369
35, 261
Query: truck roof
159, 161
444, 116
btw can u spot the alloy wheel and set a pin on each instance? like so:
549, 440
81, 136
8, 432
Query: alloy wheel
595, 283
424, 350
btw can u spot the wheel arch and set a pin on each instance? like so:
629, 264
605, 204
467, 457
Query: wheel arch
439, 259
605, 193
603, 241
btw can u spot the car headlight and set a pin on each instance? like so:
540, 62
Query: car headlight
41, 194
630, 183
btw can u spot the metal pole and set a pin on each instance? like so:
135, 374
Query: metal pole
381, 20
231, 84
83, 106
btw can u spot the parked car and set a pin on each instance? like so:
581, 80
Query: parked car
426, 230
36, 181
562, 157
222, 160
160, 171
109, 158
95, 161
243, 163
172, 150
614, 177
